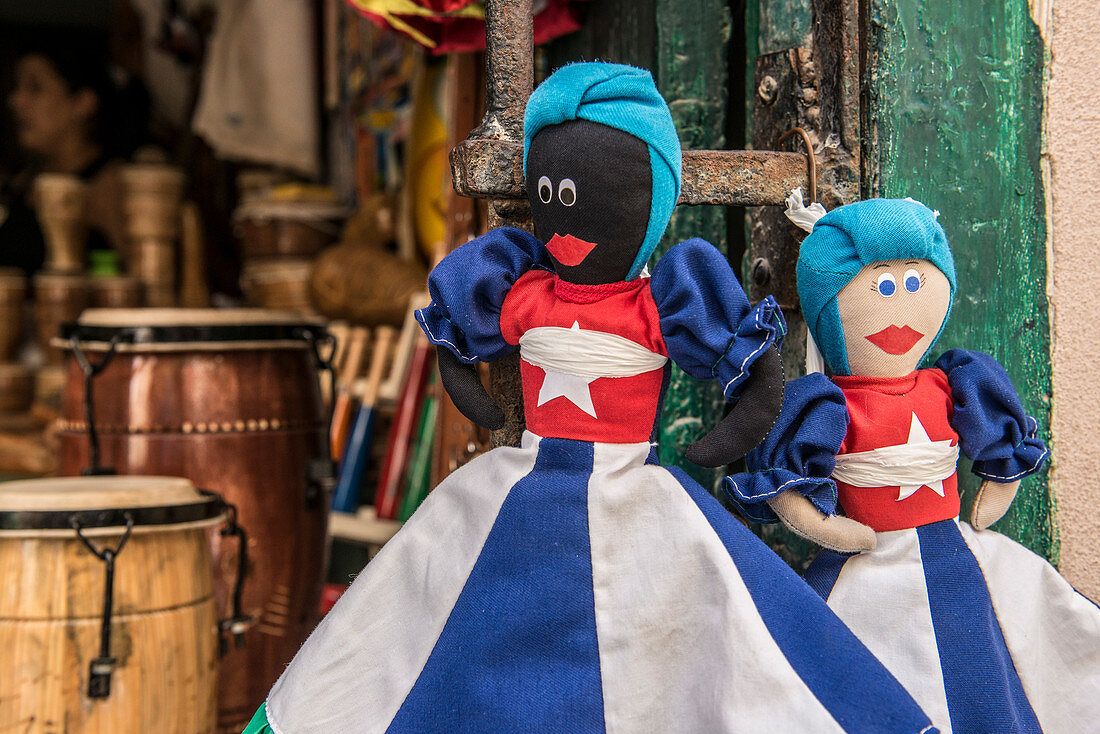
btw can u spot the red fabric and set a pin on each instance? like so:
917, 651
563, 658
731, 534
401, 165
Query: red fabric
880, 411
626, 407
444, 6
456, 35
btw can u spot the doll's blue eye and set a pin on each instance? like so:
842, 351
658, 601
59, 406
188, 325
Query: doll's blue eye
887, 286
912, 280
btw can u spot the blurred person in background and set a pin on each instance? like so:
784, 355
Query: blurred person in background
69, 116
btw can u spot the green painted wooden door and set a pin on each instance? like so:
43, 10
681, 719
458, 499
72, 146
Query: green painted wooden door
952, 115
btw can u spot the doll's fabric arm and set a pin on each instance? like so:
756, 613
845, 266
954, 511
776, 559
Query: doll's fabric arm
798, 455
468, 288
993, 428
710, 329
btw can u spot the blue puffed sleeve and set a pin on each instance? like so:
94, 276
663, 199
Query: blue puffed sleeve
708, 326
800, 452
993, 428
468, 288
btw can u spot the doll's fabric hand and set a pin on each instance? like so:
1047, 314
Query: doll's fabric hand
750, 419
464, 386
835, 532
992, 502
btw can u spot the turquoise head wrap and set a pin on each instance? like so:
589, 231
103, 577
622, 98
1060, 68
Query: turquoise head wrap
625, 98
850, 237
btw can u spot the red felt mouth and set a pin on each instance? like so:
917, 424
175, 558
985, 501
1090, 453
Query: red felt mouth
895, 339
569, 250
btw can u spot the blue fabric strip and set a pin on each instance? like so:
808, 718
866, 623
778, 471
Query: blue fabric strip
845, 677
984, 694
519, 650
824, 571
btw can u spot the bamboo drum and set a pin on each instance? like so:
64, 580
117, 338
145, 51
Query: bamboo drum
61, 204
163, 627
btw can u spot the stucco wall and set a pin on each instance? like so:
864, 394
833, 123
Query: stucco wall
1074, 154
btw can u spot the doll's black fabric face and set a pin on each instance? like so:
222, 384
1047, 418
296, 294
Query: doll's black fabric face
590, 190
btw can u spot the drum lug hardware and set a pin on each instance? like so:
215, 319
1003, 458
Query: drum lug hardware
237, 623
90, 372
320, 481
101, 667
322, 363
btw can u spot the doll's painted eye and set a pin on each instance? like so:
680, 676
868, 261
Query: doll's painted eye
546, 190
912, 280
887, 286
567, 192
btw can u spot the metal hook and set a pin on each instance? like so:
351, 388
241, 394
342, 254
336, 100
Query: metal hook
101, 667
90, 372
811, 160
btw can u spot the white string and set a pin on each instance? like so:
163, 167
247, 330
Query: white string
902, 465
805, 217
586, 353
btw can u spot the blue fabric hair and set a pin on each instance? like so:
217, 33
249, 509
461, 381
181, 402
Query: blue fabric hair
850, 237
625, 98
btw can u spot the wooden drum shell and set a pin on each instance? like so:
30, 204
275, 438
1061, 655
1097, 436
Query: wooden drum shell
164, 633
243, 422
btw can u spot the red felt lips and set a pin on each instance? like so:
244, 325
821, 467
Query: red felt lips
569, 250
895, 339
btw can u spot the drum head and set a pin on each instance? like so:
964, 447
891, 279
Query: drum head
179, 329
104, 502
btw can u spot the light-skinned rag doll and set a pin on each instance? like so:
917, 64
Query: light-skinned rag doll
572, 584
985, 634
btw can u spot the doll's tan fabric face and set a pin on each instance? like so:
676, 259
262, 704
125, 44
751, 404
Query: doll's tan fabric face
890, 312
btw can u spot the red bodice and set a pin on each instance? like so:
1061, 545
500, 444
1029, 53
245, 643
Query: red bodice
569, 394
891, 412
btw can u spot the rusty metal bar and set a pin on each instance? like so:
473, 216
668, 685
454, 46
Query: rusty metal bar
741, 177
490, 161
493, 169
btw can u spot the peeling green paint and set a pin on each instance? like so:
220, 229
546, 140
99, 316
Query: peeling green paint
955, 113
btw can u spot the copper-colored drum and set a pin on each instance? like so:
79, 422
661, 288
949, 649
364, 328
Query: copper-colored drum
295, 229
160, 670
58, 299
230, 400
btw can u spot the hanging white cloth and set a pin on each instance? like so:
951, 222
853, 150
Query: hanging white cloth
258, 99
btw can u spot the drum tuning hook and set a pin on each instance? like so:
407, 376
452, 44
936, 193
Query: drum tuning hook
238, 622
90, 372
100, 668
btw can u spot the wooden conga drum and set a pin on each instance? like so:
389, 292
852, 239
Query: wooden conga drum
229, 399
91, 652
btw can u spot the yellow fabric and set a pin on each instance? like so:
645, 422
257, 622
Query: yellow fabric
391, 10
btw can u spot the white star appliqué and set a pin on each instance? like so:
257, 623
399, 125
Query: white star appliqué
573, 388
917, 434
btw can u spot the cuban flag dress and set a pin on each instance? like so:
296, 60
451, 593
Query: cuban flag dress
985, 634
572, 584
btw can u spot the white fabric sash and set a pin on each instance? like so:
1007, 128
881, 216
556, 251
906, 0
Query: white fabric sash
585, 353
902, 465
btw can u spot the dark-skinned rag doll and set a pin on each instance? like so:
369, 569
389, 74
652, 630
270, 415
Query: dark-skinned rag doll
572, 584
986, 635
